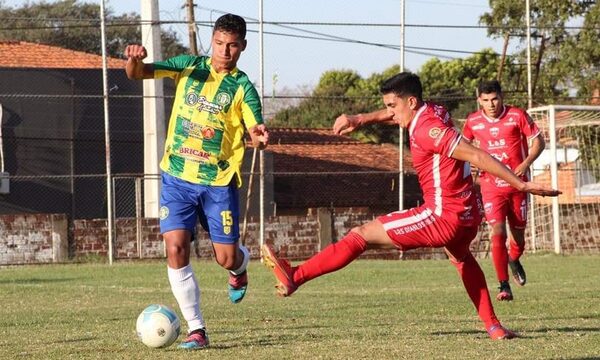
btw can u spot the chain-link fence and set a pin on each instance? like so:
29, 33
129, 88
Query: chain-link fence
55, 139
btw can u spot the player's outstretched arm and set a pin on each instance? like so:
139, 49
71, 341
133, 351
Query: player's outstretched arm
345, 124
484, 161
135, 67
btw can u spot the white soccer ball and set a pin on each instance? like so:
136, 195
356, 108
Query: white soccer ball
158, 326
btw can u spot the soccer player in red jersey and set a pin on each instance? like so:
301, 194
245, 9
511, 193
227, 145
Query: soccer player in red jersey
450, 215
504, 132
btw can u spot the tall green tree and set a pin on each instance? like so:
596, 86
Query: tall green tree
339, 92
75, 25
556, 58
580, 56
453, 83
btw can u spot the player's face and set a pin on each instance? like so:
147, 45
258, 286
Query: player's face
402, 109
226, 50
491, 104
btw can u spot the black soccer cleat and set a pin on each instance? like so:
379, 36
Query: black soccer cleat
505, 293
518, 272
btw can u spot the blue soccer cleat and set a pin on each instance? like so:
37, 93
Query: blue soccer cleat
237, 286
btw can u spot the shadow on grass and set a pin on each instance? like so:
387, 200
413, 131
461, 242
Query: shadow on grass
528, 334
78, 340
280, 340
35, 281
459, 332
284, 335
567, 329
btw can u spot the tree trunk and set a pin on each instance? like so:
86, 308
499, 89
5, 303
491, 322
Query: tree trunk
503, 57
538, 65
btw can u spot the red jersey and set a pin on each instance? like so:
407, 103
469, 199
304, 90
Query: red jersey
505, 138
446, 182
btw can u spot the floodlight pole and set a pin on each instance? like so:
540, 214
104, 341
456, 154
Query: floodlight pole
401, 130
109, 189
261, 160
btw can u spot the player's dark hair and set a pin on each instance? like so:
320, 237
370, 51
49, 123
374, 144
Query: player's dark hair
403, 84
231, 23
488, 87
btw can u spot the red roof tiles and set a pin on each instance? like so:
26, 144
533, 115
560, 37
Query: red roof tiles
319, 150
21, 54
315, 168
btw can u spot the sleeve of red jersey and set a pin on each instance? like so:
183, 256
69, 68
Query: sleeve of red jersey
528, 127
438, 138
467, 132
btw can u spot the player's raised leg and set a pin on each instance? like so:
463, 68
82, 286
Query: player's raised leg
517, 247
221, 218
517, 220
334, 257
234, 258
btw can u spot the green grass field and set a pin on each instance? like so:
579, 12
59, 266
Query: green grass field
370, 310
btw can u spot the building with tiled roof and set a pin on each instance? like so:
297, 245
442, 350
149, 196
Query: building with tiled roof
315, 168
22, 54
53, 128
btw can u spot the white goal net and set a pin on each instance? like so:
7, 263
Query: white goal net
571, 163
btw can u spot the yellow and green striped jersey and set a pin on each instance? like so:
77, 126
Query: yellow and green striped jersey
205, 139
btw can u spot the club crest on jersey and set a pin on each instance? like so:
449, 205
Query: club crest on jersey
223, 99
434, 132
164, 212
494, 131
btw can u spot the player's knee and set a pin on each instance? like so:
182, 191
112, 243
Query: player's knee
177, 256
226, 261
499, 229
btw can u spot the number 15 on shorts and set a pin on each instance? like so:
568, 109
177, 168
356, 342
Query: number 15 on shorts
227, 221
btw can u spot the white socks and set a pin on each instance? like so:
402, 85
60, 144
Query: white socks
187, 293
244, 265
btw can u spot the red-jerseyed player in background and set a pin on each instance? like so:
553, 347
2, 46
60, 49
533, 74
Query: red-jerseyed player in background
450, 216
504, 132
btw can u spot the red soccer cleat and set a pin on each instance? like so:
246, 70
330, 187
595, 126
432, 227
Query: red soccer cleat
281, 269
499, 332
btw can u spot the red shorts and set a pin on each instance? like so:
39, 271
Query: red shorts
420, 227
500, 206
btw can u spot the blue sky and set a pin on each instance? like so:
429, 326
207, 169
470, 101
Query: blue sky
298, 63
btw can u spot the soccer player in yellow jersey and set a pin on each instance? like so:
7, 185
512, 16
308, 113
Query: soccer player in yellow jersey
214, 104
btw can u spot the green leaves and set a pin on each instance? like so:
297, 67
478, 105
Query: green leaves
75, 25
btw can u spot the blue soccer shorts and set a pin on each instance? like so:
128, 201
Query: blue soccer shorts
183, 203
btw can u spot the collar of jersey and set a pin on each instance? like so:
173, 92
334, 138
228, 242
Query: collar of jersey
413, 122
212, 69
